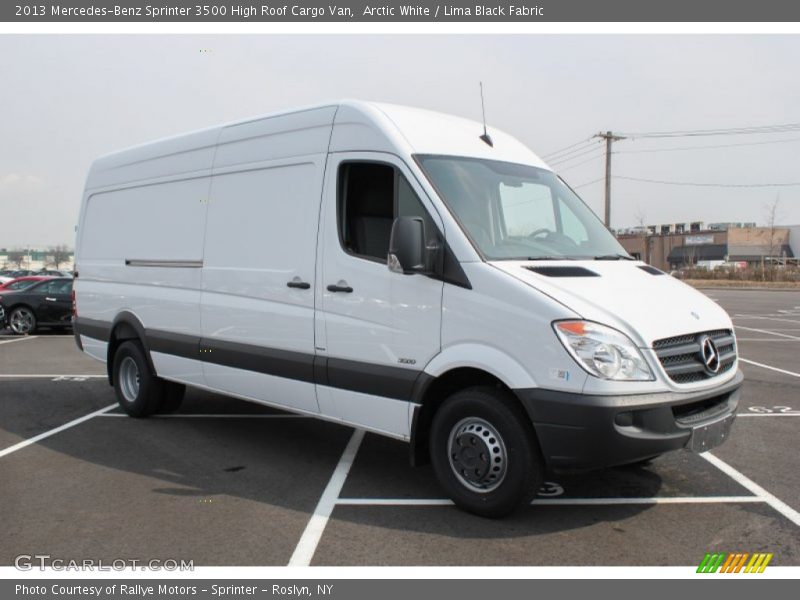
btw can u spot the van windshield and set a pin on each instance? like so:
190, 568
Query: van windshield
518, 212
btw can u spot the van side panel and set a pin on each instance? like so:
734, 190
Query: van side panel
154, 222
141, 249
261, 236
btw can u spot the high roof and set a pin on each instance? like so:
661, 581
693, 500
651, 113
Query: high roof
359, 126
421, 131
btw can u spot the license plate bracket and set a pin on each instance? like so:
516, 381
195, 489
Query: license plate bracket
708, 436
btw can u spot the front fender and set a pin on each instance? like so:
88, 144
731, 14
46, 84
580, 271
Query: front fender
486, 358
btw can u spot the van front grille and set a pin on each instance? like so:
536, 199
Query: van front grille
682, 358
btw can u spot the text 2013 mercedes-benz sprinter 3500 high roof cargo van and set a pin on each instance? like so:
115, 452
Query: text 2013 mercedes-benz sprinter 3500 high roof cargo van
392, 269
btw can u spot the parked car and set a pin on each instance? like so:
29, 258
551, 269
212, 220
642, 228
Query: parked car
18, 273
47, 303
404, 272
20, 283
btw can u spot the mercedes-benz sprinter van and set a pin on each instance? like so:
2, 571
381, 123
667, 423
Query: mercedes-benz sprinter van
400, 271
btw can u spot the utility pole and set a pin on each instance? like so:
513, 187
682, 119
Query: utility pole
609, 137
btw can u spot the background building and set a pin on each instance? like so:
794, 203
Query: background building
670, 247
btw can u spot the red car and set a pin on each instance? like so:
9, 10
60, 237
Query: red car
20, 283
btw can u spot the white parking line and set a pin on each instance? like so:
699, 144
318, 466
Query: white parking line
226, 416
767, 331
767, 318
307, 545
779, 505
763, 366
797, 414
19, 339
47, 434
558, 501
741, 339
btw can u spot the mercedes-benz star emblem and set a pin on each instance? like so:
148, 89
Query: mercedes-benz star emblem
710, 354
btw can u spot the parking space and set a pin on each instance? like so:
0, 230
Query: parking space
225, 482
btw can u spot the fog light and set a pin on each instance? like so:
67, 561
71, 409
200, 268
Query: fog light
624, 419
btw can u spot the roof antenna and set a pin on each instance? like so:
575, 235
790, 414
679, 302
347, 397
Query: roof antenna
485, 137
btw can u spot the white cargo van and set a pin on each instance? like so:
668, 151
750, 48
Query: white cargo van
396, 270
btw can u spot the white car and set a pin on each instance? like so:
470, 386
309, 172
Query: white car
400, 271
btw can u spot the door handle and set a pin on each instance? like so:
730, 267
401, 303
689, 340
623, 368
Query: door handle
50, 299
341, 287
298, 284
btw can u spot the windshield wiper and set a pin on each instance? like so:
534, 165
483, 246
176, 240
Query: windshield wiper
613, 257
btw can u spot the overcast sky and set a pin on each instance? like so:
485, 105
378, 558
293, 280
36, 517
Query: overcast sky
68, 99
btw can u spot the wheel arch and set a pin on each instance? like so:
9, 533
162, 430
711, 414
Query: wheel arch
431, 392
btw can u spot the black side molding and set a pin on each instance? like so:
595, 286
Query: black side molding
387, 381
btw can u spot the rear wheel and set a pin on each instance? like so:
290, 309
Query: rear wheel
139, 392
484, 452
22, 320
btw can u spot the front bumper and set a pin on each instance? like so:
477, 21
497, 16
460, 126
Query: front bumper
577, 431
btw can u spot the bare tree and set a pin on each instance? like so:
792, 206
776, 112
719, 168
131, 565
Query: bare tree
58, 256
17, 258
689, 256
772, 216
644, 232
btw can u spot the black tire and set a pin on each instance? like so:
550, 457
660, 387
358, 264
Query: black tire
500, 429
146, 396
22, 320
173, 396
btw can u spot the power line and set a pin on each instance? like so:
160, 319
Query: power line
697, 184
583, 162
788, 127
575, 187
568, 155
580, 154
552, 154
649, 150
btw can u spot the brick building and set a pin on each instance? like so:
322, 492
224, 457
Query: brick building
669, 247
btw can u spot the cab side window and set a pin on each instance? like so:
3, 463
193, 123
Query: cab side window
370, 197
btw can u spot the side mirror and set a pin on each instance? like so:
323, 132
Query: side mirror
408, 253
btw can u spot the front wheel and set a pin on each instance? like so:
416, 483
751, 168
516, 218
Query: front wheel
484, 452
22, 321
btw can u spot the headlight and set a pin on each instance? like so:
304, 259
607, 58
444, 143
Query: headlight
604, 352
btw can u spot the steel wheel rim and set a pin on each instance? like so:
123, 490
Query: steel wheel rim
21, 321
477, 455
129, 379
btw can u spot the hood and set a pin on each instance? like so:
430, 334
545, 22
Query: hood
622, 295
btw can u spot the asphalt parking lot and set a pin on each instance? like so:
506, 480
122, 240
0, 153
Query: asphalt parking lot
224, 482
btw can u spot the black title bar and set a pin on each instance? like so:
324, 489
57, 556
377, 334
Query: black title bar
354, 11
